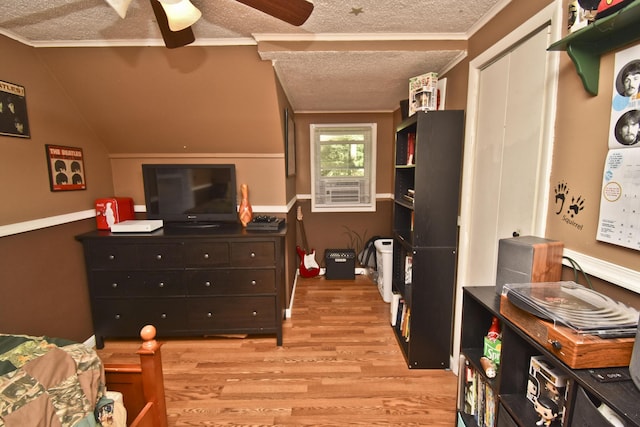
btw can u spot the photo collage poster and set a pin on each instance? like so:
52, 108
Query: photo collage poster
619, 221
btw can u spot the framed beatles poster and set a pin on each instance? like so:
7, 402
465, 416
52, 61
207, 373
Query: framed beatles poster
13, 111
66, 168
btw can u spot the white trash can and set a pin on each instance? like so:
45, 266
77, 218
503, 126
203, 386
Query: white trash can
384, 260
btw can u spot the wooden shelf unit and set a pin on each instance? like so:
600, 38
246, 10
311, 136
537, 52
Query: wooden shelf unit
426, 230
480, 305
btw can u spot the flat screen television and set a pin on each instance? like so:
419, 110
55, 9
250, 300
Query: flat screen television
195, 194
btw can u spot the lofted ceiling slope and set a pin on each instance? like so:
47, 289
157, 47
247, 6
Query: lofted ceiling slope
348, 56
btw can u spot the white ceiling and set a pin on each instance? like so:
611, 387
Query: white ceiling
354, 55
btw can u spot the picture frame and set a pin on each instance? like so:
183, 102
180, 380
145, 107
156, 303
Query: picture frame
289, 143
13, 111
66, 168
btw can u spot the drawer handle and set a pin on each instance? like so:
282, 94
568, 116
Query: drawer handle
253, 282
163, 316
253, 255
159, 257
117, 317
112, 257
114, 285
207, 284
209, 314
254, 314
161, 285
206, 256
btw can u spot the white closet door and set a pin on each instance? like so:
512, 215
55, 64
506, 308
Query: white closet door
509, 140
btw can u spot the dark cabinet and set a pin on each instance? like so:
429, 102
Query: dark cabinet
231, 282
510, 406
427, 174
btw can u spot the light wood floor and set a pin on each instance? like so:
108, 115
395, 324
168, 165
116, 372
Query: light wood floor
339, 365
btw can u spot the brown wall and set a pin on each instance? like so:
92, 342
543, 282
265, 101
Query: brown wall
335, 230
54, 118
42, 281
43, 289
125, 106
580, 144
128, 106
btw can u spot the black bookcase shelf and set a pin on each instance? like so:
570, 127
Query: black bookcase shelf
425, 228
512, 408
586, 45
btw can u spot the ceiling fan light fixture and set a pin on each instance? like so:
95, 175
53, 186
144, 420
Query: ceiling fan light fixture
181, 14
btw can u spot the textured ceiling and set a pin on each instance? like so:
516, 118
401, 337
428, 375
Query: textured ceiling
354, 55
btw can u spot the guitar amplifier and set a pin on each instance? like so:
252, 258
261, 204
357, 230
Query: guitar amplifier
340, 264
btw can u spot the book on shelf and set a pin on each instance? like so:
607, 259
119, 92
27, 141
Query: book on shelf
480, 400
405, 326
489, 406
400, 313
408, 265
411, 148
470, 390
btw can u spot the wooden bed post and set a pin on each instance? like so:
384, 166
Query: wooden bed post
152, 377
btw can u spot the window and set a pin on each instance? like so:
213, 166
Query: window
343, 163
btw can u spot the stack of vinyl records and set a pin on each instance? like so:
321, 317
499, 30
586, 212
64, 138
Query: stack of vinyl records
569, 304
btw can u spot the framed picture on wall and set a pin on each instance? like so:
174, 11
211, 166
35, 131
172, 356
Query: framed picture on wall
66, 168
13, 111
289, 143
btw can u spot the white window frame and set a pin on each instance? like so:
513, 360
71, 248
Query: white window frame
362, 188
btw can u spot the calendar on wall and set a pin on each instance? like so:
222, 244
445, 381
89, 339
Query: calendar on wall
619, 221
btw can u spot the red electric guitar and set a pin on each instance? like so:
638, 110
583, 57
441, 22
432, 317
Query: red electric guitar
308, 265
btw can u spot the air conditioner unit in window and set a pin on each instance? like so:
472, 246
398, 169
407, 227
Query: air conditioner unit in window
341, 192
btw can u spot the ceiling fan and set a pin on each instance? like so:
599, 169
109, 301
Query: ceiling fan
175, 17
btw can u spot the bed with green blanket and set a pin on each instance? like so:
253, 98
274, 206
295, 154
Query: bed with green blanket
51, 382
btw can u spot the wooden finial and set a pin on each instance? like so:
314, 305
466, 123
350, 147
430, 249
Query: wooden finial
148, 333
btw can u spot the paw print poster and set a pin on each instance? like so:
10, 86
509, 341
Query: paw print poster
619, 221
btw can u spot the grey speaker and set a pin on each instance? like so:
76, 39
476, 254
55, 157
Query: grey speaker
634, 365
528, 259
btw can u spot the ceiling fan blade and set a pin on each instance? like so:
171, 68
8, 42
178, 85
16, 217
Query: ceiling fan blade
295, 12
172, 39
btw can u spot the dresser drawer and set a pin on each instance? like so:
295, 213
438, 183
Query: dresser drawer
114, 317
231, 282
206, 254
253, 281
160, 284
166, 314
232, 313
160, 256
110, 283
207, 282
112, 256
136, 283
253, 254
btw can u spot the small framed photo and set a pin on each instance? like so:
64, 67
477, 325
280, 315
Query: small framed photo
13, 111
66, 168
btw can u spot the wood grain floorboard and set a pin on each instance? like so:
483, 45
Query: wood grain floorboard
340, 365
